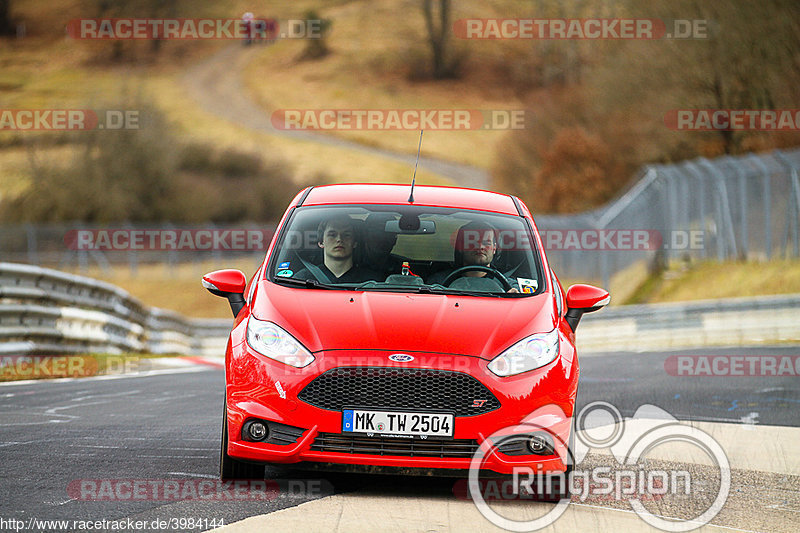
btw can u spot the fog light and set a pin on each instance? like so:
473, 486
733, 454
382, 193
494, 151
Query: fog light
257, 431
539, 443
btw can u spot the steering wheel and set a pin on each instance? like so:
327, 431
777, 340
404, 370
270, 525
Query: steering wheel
459, 272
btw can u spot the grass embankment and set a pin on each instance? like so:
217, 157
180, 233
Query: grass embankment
45, 70
711, 280
373, 51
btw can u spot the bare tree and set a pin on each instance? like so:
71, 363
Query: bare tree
438, 36
6, 27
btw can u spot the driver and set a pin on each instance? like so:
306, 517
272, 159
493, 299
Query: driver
336, 237
476, 245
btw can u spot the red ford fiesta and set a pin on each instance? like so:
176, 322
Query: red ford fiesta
401, 332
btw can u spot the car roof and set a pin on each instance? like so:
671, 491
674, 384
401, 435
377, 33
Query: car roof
395, 194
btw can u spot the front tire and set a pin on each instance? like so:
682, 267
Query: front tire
230, 468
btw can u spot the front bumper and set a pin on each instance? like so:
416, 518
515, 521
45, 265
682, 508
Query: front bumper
540, 400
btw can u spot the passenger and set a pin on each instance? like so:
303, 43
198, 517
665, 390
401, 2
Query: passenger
378, 245
336, 237
476, 245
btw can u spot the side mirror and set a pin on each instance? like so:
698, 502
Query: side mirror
229, 284
584, 299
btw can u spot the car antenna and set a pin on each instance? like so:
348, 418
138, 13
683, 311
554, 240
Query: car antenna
414, 177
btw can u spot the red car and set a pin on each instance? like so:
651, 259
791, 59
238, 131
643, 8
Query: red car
400, 331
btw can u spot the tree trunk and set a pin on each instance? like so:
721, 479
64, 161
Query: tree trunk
6, 28
438, 36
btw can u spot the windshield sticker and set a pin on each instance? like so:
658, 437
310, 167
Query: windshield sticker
285, 264
528, 285
285, 273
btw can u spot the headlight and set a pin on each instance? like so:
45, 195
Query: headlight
528, 354
271, 341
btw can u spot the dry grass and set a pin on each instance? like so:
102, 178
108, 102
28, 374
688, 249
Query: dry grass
46, 70
728, 280
310, 161
371, 48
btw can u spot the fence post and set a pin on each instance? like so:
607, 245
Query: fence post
701, 201
765, 187
33, 248
725, 218
671, 224
743, 220
794, 201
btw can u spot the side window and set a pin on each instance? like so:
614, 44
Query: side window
253, 281
557, 291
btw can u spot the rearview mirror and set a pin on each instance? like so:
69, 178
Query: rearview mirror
228, 283
421, 226
584, 299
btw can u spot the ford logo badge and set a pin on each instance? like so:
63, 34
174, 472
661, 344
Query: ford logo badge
401, 357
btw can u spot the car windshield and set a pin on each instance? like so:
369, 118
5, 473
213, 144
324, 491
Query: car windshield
407, 249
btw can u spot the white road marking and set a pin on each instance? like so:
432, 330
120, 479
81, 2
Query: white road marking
207, 476
781, 507
104, 397
175, 456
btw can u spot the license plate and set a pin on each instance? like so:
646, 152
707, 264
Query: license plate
397, 423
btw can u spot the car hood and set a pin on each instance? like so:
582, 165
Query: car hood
350, 320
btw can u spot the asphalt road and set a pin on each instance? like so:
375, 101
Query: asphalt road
165, 427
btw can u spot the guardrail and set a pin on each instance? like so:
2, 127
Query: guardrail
727, 322
46, 311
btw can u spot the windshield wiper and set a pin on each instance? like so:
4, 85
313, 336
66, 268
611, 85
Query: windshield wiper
422, 289
307, 283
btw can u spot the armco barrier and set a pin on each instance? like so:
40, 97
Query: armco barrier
727, 322
46, 311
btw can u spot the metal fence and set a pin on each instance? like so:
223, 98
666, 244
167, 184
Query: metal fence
744, 207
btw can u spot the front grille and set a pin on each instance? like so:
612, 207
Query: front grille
342, 443
417, 389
